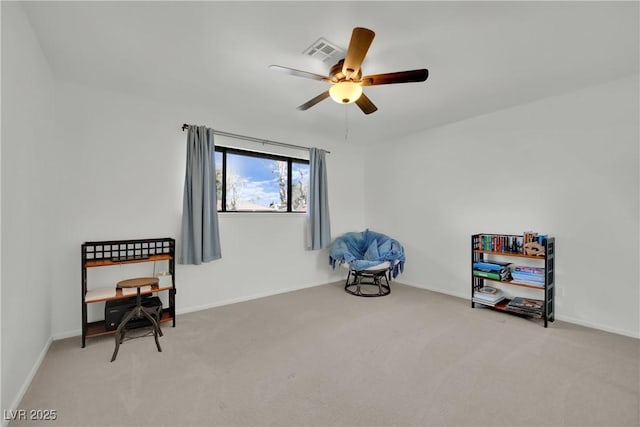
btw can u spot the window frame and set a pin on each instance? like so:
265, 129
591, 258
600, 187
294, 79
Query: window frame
261, 155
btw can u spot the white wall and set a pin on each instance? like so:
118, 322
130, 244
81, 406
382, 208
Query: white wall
111, 166
27, 118
566, 165
120, 162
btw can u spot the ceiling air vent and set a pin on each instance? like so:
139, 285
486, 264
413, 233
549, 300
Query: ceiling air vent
325, 51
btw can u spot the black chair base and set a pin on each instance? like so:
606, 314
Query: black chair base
137, 312
371, 283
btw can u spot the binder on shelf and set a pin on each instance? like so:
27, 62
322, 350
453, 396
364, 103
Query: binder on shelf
487, 275
491, 265
494, 275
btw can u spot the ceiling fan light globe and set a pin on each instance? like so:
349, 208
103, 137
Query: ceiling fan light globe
345, 92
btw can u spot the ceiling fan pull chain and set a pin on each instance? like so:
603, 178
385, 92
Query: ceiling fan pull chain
346, 121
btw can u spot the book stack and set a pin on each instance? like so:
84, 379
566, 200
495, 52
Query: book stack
509, 243
528, 306
494, 270
488, 295
528, 275
501, 243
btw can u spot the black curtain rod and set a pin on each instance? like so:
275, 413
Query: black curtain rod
258, 140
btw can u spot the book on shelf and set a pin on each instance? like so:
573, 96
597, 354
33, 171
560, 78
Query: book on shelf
535, 279
528, 278
528, 275
526, 304
528, 270
501, 243
491, 302
528, 283
488, 290
488, 295
491, 265
488, 298
485, 302
510, 243
530, 313
494, 275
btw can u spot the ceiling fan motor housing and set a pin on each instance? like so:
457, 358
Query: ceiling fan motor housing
336, 74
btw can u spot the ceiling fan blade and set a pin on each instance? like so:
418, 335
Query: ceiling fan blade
310, 103
366, 105
298, 73
399, 77
361, 39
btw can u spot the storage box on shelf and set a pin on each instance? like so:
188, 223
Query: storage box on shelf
119, 252
494, 249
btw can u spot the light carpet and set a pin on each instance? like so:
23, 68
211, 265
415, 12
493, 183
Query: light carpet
322, 357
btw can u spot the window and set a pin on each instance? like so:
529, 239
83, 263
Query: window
248, 181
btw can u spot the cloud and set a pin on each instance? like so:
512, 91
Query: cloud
261, 192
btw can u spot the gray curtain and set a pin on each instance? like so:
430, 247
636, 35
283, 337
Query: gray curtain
318, 225
200, 235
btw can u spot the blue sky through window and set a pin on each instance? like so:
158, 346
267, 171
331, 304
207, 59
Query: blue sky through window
253, 183
260, 184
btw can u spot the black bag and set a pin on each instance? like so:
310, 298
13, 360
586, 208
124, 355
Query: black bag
115, 310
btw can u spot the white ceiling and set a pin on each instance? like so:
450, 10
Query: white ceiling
481, 56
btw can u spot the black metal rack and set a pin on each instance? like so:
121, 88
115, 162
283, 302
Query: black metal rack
118, 252
479, 254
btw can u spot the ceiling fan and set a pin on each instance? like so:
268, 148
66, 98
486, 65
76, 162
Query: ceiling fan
346, 76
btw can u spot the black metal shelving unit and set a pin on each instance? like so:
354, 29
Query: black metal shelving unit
118, 252
478, 255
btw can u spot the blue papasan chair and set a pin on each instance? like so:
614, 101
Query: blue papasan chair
372, 260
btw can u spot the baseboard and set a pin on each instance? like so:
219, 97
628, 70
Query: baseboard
438, 290
67, 334
247, 298
27, 381
78, 332
567, 319
591, 325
